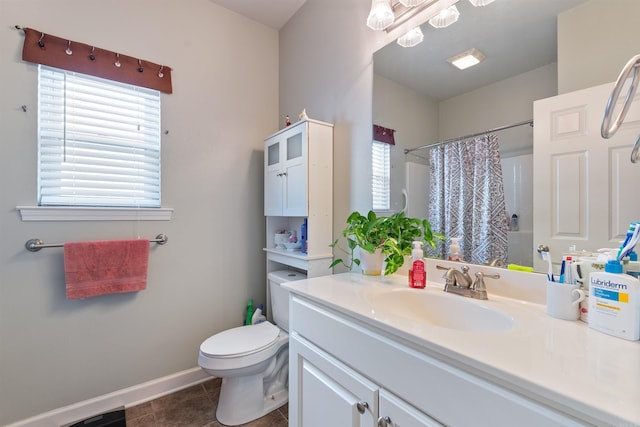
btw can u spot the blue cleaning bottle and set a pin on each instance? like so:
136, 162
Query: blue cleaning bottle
303, 237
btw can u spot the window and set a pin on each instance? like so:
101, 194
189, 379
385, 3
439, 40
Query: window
98, 142
381, 175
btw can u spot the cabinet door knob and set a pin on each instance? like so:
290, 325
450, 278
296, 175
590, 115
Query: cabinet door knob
384, 422
362, 406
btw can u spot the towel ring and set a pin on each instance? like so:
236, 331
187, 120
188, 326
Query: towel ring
608, 130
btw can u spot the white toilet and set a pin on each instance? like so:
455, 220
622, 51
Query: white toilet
253, 361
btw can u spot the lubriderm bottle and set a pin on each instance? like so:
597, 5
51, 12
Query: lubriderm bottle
417, 273
614, 302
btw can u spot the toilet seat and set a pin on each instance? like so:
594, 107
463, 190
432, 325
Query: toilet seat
241, 341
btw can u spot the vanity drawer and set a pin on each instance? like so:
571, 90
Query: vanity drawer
448, 394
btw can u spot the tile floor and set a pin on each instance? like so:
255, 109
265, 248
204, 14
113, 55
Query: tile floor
193, 407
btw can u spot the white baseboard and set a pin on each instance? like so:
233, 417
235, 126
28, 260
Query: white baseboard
127, 397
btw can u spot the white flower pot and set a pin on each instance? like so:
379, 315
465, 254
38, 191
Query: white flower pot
371, 264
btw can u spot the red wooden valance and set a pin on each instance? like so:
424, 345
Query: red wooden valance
382, 134
66, 54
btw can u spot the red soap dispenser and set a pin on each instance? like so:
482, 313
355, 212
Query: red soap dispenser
417, 273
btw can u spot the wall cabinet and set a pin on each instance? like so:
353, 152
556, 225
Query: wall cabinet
383, 380
298, 184
285, 172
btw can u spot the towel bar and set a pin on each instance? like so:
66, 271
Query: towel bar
34, 245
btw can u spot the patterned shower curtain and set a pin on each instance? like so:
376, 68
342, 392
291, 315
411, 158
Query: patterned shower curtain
467, 198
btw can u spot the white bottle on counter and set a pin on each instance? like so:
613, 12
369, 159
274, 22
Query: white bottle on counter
614, 302
454, 250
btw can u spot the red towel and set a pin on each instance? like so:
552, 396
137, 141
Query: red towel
105, 267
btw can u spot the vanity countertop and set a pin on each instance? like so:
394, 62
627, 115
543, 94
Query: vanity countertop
563, 364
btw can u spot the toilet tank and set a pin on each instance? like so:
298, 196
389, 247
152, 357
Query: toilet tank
280, 296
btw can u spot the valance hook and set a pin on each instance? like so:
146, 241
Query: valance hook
117, 63
92, 56
68, 51
41, 40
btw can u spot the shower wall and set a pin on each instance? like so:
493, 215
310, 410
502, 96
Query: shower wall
517, 174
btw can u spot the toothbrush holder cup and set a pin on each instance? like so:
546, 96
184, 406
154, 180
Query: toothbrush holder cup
563, 300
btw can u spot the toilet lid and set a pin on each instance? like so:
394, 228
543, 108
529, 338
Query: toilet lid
242, 340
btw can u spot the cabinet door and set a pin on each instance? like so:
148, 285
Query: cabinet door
395, 412
295, 172
327, 393
273, 177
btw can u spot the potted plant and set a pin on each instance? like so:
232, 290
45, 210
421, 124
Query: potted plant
391, 236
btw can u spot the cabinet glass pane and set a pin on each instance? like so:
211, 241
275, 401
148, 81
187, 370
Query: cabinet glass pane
273, 154
294, 146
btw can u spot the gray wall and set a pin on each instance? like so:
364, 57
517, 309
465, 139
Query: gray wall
55, 352
595, 40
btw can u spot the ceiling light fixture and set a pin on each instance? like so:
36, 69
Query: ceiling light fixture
445, 18
411, 38
478, 3
466, 59
414, 3
381, 15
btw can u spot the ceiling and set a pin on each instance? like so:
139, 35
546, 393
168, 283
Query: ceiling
272, 13
515, 35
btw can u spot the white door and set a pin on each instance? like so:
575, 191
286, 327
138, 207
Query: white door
585, 190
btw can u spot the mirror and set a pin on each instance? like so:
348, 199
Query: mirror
426, 100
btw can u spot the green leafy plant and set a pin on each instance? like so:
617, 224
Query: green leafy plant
393, 235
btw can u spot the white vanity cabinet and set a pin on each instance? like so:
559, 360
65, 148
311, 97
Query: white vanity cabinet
298, 184
331, 393
336, 363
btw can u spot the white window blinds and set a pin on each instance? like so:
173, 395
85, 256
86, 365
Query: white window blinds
381, 173
99, 141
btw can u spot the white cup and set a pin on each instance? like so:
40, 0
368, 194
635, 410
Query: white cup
563, 300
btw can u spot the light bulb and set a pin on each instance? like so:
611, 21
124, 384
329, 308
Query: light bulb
381, 15
478, 3
445, 18
411, 38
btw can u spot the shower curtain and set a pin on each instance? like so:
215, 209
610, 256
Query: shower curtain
467, 198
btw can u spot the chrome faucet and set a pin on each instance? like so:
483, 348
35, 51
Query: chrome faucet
459, 282
457, 278
496, 262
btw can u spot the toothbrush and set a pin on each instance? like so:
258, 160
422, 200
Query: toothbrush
629, 243
546, 256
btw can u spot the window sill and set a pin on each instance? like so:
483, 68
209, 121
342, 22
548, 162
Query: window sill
74, 213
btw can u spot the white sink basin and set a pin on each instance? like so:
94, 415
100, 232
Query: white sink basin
440, 309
